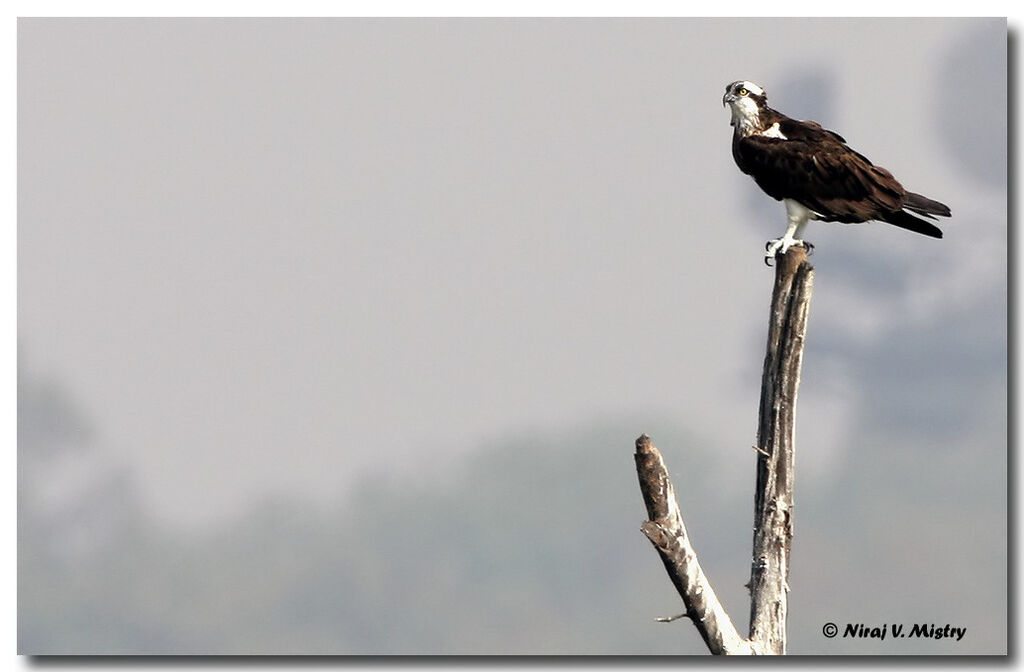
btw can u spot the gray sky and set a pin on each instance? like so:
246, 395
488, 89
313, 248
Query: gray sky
264, 254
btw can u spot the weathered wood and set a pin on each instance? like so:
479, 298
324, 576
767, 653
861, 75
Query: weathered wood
666, 531
773, 496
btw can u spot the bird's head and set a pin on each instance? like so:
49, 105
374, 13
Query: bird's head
745, 100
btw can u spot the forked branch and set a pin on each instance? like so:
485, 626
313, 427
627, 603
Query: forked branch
773, 495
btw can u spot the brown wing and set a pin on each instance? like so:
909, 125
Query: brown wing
816, 168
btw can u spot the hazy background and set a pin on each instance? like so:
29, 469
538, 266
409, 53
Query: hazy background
335, 335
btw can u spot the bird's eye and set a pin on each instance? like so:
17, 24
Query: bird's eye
743, 92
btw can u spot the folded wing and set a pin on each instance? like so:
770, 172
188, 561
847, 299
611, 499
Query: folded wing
815, 167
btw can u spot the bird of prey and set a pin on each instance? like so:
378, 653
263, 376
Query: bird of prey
815, 174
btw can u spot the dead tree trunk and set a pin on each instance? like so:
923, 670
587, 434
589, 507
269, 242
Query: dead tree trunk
773, 494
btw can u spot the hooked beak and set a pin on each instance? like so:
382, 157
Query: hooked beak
728, 98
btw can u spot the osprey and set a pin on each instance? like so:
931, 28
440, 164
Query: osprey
815, 174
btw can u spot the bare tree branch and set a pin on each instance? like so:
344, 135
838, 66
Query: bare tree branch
773, 497
666, 531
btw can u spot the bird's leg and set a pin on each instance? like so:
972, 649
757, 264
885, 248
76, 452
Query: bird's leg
798, 217
782, 245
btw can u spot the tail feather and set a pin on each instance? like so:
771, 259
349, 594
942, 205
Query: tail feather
905, 220
925, 206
